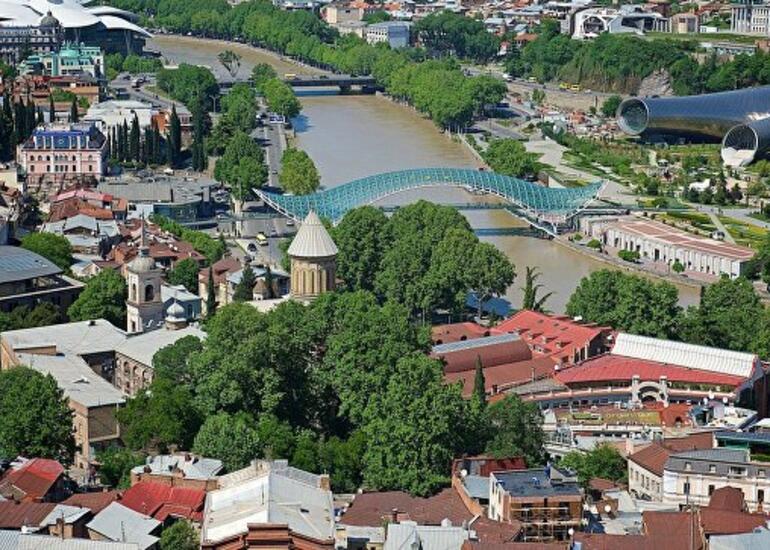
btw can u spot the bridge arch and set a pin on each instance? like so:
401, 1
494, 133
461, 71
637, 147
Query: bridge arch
542, 205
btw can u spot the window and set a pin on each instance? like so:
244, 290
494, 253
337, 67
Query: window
712, 469
686, 487
687, 466
711, 490
760, 473
760, 495
149, 293
32, 168
737, 471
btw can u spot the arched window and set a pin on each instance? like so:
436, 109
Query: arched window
133, 292
149, 293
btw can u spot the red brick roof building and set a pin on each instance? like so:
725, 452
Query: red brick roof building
162, 501
35, 480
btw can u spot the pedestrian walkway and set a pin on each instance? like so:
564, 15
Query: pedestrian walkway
720, 226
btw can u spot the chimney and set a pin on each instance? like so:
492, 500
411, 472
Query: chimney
324, 482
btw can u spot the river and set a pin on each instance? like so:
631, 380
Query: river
354, 136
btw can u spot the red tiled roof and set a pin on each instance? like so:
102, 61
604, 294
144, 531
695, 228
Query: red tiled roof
69, 208
601, 484
96, 502
727, 498
500, 377
726, 522
653, 457
87, 194
161, 501
369, 509
220, 270
672, 530
490, 532
473, 545
15, 515
456, 332
32, 480
603, 541
608, 368
558, 336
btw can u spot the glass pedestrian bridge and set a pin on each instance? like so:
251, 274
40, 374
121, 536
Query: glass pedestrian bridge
541, 205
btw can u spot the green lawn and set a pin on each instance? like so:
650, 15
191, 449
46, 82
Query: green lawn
744, 233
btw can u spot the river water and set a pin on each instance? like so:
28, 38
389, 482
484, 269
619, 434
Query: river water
349, 137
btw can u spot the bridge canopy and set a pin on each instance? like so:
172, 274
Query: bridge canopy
542, 203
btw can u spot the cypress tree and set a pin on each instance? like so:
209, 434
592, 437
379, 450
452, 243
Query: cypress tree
479, 390
19, 124
211, 300
51, 109
74, 110
124, 141
40, 117
244, 290
156, 145
133, 140
31, 117
147, 146
175, 138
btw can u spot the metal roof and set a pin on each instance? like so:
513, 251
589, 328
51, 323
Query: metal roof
15, 540
475, 343
312, 239
476, 486
408, 534
78, 338
686, 355
142, 347
116, 522
19, 264
195, 468
75, 378
535, 483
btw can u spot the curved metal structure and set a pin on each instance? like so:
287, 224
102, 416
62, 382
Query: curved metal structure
546, 205
734, 117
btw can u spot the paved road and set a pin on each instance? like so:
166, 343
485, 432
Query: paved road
122, 85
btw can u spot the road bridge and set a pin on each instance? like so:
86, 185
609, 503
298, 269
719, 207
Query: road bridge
545, 208
344, 82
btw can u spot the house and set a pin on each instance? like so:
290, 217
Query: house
179, 470
112, 113
645, 467
44, 517
470, 478
178, 294
397, 34
33, 480
119, 523
547, 502
26, 279
269, 503
219, 271
72, 59
133, 357
409, 534
86, 234
95, 501
692, 477
59, 154
162, 501
81, 357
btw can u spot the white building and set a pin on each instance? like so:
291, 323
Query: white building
591, 22
144, 307
691, 477
662, 243
750, 18
394, 33
108, 114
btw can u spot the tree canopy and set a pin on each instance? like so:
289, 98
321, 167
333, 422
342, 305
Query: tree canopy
185, 273
299, 175
104, 297
242, 167
35, 418
54, 248
508, 157
604, 462
516, 429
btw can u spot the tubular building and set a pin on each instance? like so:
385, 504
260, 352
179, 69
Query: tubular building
738, 118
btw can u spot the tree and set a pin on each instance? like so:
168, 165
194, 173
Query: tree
510, 158
35, 418
134, 137
677, 267
261, 73
490, 273
159, 418
359, 239
211, 297
604, 462
610, 105
173, 362
104, 297
231, 438
43, 314
241, 166
180, 536
185, 272
627, 302
631, 256
412, 428
479, 384
116, 464
516, 429
299, 175
230, 61
244, 290
74, 110
55, 248
174, 139
51, 109
531, 288
280, 98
